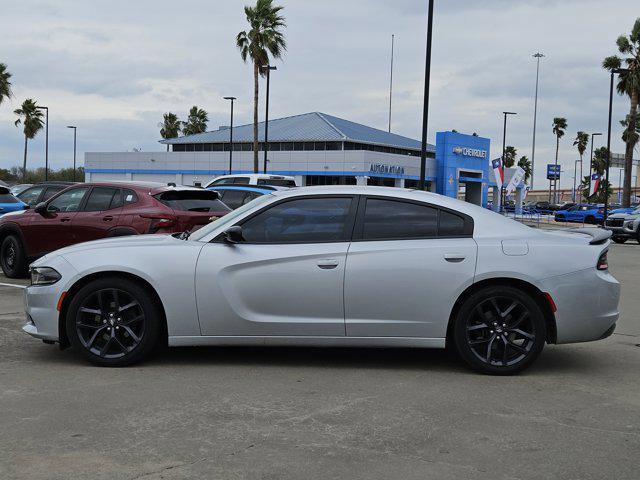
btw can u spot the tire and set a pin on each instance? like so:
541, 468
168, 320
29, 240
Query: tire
499, 330
619, 239
12, 257
114, 322
590, 220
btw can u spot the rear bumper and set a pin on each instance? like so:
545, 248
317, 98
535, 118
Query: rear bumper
587, 303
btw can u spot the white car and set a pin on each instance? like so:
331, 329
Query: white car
253, 179
332, 266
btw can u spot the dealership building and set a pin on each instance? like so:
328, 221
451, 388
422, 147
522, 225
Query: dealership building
316, 149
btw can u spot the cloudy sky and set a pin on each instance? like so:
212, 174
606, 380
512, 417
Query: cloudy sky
114, 67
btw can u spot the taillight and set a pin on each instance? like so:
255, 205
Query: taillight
160, 223
601, 211
603, 264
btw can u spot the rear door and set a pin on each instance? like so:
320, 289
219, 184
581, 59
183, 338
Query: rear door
406, 266
99, 215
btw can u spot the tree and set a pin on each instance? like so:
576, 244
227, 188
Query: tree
559, 128
263, 39
510, 154
196, 121
170, 126
629, 136
628, 84
581, 142
31, 119
598, 165
5, 84
525, 164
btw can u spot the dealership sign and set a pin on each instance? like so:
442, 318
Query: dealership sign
470, 152
380, 168
553, 172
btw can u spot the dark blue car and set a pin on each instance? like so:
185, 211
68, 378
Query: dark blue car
9, 203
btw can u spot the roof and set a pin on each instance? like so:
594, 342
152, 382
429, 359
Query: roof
307, 127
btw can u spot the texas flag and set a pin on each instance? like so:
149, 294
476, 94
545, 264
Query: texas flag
593, 186
498, 171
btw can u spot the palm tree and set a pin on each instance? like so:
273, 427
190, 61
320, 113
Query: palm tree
525, 164
559, 127
628, 135
581, 142
510, 154
628, 84
5, 84
196, 121
263, 39
31, 119
170, 126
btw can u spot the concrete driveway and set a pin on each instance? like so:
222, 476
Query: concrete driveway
307, 413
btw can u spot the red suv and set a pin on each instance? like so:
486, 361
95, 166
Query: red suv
90, 211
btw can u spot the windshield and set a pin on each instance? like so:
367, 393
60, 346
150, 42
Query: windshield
229, 218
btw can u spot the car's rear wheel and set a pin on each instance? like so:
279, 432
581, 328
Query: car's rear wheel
499, 330
114, 322
619, 239
590, 220
12, 257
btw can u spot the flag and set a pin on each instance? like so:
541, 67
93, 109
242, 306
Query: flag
498, 172
516, 179
595, 182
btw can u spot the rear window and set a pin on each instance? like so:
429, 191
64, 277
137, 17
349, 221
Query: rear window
277, 182
51, 191
7, 198
192, 201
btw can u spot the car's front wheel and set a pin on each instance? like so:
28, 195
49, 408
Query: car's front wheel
12, 257
114, 322
499, 330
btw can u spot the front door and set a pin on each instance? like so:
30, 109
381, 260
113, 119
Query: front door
406, 266
99, 215
286, 278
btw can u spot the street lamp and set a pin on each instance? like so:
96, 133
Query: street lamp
46, 148
504, 145
425, 105
614, 71
268, 68
231, 135
74, 150
537, 56
575, 174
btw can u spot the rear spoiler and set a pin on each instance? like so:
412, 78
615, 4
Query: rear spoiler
598, 235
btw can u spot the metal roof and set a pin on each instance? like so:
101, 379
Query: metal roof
307, 127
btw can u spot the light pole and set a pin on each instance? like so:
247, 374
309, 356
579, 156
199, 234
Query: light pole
393, 37
620, 186
268, 68
606, 196
425, 105
233, 99
74, 150
537, 56
46, 147
504, 148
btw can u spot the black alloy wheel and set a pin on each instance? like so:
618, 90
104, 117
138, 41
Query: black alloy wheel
12, 258
500, 330
113, 322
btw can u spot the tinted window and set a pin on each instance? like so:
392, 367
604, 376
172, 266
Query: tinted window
8, 198
450, 225
51, 191
100, 199
277, 182
233, 198
192, 201
68, 201
116, 201
30, 195
241, 181
129, 197
301, 221
386, 219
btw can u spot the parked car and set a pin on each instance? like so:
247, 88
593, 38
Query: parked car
583, 213
615, 209
91, 211
624, 226
41, 192
332, 266
21, 187
9, 203
253, 179
234, 196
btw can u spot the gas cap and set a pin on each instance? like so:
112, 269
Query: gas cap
515, 248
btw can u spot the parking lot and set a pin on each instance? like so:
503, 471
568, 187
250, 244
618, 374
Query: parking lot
310, 413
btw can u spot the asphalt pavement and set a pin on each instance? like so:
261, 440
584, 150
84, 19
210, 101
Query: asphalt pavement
235, 413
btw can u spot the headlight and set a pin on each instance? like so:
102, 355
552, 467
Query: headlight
44, 276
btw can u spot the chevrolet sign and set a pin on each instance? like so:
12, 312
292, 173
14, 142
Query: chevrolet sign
470, 152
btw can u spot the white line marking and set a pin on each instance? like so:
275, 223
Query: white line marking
12, 285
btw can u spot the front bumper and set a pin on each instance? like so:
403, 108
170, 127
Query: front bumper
587, 303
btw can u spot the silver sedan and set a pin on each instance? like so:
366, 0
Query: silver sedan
332, 266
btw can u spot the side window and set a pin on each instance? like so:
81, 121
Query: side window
451, 225
233, 198
241, 181
250, 196
100, 199
129, 197
116, 201
51, 191
390, 219
30, 195
306, 220
68, 201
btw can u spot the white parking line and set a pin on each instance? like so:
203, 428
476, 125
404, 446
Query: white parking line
12, 285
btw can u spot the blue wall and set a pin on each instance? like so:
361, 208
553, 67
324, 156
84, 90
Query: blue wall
455, 152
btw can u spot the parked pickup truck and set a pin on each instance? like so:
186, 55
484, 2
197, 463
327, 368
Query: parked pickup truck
624, 226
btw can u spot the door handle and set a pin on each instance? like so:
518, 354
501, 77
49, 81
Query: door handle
454, 257
328, 263
65, 219
108, 218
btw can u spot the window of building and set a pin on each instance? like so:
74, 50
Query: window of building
305, 220
308, 146
334, 145
391, 220
287, 146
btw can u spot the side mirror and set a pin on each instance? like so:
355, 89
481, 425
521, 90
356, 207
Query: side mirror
233, 235
41, 208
